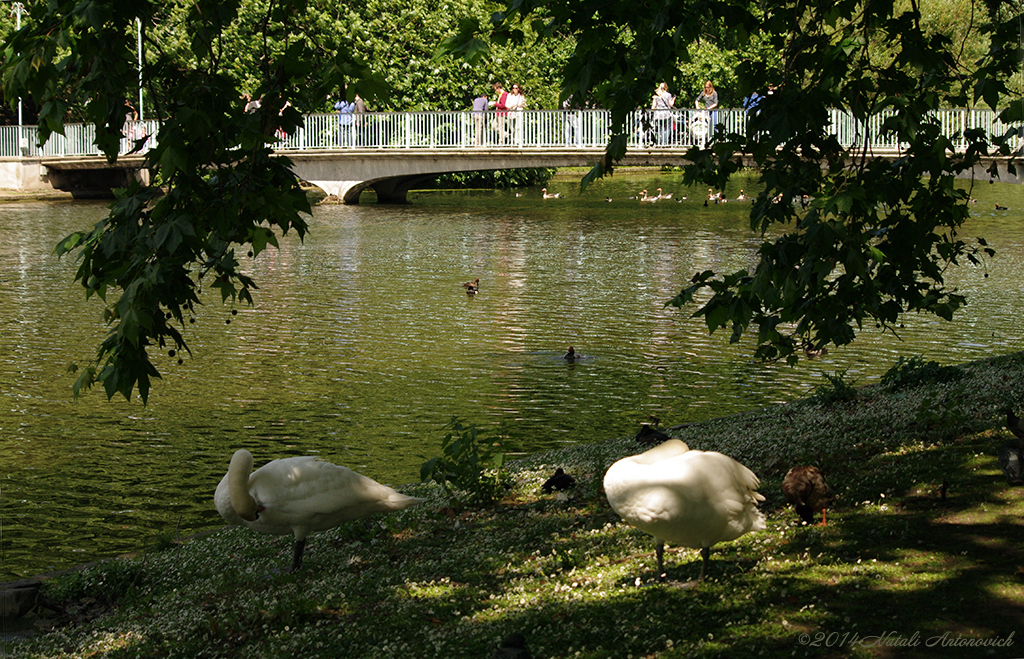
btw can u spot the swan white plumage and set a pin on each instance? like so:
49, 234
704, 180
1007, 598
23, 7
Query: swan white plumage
298, 496
687, 498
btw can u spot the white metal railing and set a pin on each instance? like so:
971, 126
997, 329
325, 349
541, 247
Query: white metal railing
577, 129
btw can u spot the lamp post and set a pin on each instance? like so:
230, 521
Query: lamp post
138, 39
16, 9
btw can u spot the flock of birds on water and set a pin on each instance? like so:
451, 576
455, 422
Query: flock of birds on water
677, 495
713, 197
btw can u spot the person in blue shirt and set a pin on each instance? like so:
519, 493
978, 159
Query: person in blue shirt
345, 110
479, 117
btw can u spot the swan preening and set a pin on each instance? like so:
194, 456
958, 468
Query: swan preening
806, 489
299, 496
688, 498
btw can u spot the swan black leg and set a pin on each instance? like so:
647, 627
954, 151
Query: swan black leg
300, 546
705, 554
659, 551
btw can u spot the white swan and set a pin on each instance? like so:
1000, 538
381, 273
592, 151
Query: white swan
688, 498
299, 496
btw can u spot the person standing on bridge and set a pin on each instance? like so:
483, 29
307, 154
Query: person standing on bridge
359, 112
500, 110
662, 105
345, 110
709, 97
516, 102
480, 117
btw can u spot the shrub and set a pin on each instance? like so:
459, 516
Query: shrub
916, 371
472, 462
838, 390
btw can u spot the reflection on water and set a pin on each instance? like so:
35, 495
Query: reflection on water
363, 344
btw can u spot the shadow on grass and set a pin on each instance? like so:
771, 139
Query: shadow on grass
906, 574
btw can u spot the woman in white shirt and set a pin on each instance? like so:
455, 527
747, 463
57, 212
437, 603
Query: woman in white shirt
662, 105
515, 103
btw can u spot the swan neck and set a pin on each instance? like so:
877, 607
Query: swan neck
238, 485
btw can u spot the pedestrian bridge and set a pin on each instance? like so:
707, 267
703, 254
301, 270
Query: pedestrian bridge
393, 152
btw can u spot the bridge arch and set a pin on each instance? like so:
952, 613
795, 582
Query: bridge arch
392, 173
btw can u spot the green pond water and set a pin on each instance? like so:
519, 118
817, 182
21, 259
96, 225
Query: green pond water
363, 344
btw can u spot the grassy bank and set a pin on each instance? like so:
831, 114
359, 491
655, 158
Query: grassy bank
921, 556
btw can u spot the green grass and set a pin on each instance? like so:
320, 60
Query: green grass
897, 572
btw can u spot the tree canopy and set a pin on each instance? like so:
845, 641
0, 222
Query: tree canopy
850, 239
873, 244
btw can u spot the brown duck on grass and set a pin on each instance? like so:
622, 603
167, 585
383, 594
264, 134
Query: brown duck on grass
806, 489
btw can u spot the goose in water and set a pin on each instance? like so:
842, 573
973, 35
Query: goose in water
806, 489
663, 196
688, 498
299, 496
547, 195
644, 197
811, 352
